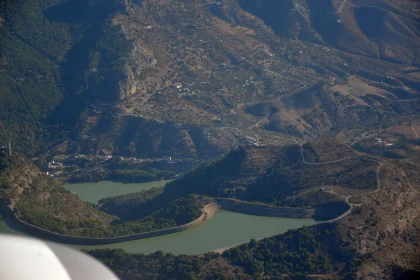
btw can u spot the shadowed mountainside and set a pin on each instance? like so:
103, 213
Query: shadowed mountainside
378, 238
194, 78
274, 176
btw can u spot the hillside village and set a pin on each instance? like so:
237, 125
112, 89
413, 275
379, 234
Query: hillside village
66, 168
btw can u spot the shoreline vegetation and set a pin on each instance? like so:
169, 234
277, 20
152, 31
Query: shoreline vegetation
159, 211
207, 212
172, 207
46, 209
298, 252
14, 222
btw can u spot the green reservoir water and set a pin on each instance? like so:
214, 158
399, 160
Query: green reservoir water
4, 228
222, 230
92, 192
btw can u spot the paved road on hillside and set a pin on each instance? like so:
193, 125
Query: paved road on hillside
321, 163
351, 205
415, 132
342, 6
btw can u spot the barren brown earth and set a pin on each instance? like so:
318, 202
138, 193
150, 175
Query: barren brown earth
203, 76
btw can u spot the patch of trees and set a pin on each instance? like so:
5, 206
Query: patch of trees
283, 181
156, 266
310, 153
30, 48
38, 55
295, 251
127, 206
54, 216
282, 184
3, 162
137, 198
296, 254
209, 178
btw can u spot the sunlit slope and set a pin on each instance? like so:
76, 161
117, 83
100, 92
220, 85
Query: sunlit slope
191, 79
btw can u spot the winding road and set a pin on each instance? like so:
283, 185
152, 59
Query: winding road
320, 163
351, 205
342, 6
415, 132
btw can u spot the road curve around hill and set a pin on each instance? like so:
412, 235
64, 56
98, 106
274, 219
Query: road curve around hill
351, 205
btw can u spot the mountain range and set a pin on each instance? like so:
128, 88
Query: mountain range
191, 79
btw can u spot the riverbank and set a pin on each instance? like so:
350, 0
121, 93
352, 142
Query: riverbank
207, 213
314, 213
14, 222
223, 229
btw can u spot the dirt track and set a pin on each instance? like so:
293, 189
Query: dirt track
352, 205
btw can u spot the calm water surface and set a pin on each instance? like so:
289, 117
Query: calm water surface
4, 228
224, 229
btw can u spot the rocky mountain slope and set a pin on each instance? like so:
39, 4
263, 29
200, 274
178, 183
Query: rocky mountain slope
283, 176
382, 228
192, 78
258, 70
386, 228
377, 239
325, 178
39, 200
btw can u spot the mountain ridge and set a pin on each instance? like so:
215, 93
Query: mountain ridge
175, 82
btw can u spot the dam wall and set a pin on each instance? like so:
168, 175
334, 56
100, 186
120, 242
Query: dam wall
252, 209
14, 222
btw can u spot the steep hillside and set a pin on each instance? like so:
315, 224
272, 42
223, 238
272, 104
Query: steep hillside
46, 46
235, 70
385, 231
282, 176
322, 176
29, 72
39, 200
378, 239
192, 78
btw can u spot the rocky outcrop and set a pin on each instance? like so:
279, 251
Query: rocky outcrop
127, 83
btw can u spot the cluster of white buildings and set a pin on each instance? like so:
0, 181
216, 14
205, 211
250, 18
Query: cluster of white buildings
252, 141
183, 90
381, 142
54, 165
